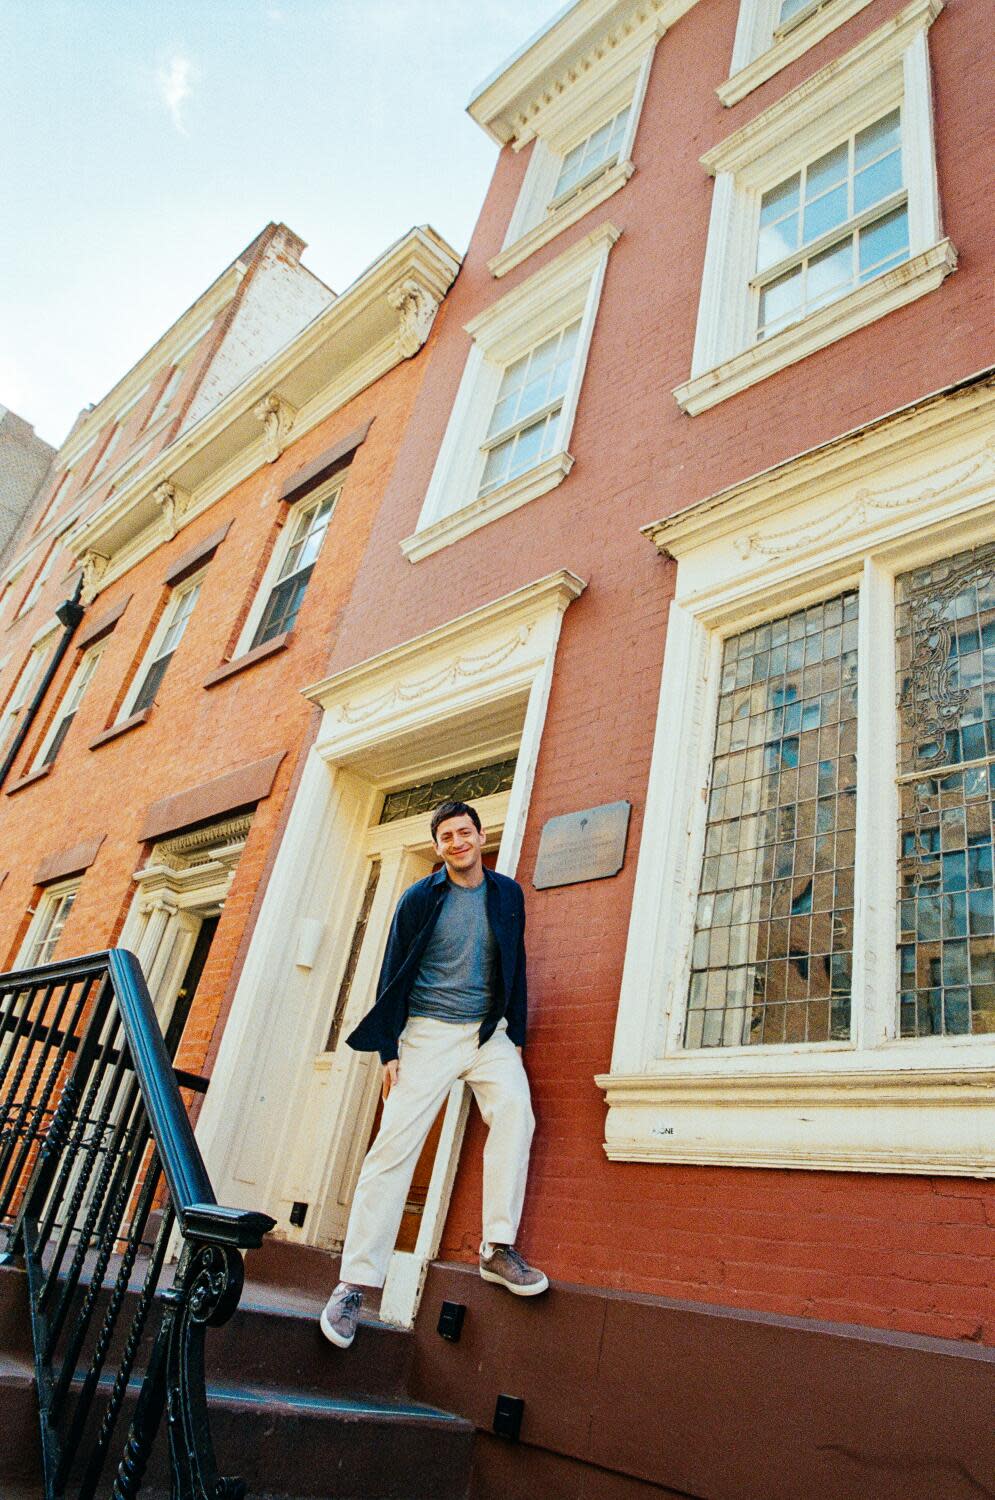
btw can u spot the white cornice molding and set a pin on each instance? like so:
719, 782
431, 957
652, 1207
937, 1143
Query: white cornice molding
486, 508
914, 278
942, 418
506, 315
225, 445
838, 79
561, 218
787, 49
357, 689
584, 43
860, 1119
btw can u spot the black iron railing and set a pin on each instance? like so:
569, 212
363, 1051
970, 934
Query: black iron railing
99, 1176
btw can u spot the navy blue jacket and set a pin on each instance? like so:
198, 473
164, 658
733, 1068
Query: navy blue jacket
414, 921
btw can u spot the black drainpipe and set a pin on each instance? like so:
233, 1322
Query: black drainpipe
68, 614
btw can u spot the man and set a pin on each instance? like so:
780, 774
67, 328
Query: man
450, 1004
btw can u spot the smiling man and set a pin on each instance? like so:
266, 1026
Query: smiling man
450, 1004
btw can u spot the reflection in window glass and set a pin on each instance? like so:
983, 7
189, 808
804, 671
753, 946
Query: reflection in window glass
53, 918
525, 423
771, 961
946, 716
287, 595
181, 609
591, 155
817, 207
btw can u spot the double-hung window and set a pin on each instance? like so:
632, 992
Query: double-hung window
596, 152
294, 567
825, 214
770, 34
164, 645
69, 707
812, 944
525, 422
832, 226
25, 685
46, 928
50, 918
40, 580
582, 152
509, 431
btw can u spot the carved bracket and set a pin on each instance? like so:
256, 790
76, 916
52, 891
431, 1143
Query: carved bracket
277, 417
173, 502
94, 565
417, 308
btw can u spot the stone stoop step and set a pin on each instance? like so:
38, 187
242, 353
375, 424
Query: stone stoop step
297, 1419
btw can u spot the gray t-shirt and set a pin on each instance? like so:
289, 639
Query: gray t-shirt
454, 977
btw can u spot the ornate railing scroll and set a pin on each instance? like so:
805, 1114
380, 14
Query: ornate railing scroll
99, 1175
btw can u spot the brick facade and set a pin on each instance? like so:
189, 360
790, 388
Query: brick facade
909, 1253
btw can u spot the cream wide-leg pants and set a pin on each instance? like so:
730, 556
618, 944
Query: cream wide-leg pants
432, 1056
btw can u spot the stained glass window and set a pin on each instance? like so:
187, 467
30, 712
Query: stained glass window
946, 714
464, 786
771, 960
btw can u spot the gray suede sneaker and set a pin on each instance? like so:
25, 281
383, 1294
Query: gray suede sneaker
340, 1315
512, 1271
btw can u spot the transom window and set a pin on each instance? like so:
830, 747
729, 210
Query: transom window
287, 594
53, 913
591, 155
70, 706
179, 610
525, 423
839, 221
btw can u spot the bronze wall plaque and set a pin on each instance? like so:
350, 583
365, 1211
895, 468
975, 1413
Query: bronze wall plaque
588, 845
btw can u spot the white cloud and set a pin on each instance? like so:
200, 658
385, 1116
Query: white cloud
175, 87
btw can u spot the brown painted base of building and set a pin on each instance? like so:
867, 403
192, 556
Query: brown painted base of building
628, 1397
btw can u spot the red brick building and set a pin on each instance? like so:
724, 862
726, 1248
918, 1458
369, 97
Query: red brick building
690, 484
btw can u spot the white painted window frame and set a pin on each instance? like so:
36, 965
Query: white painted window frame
538, 217
268, 582
41, 578
569, 287
863, 1104
27, 681
762, 47
889, 69
44, 914
85, 669
154, 648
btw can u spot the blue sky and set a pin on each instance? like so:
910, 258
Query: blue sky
146, 143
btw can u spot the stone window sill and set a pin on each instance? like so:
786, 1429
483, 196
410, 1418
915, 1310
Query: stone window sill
896, 1111
787, 48
922, 274
249, 659
460, 523
122, 728
32, 776
561, 218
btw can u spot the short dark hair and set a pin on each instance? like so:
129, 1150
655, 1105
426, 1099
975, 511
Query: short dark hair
454, 810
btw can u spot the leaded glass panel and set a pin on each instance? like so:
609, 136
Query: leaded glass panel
772, 953
484, 781
945, 619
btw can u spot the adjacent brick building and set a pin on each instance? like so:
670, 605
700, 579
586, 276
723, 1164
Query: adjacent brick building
24, 462
690, 484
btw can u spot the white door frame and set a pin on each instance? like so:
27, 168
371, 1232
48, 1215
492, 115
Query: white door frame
466, 689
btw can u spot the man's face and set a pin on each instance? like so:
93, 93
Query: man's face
459, 844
